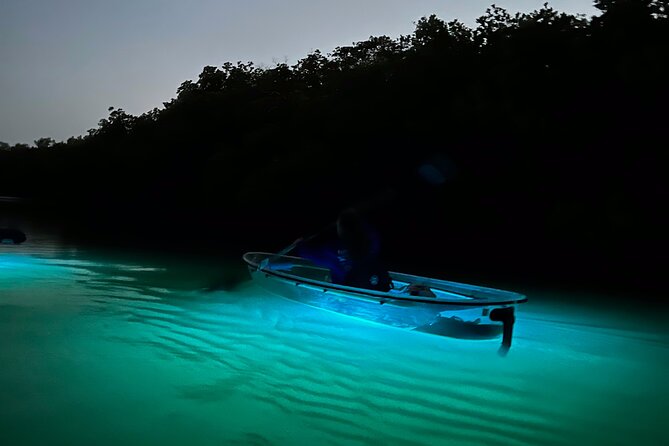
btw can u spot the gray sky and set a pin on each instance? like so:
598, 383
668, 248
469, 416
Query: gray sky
64, 62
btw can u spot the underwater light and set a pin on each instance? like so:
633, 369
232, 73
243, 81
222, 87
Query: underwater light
19, 268
15, 261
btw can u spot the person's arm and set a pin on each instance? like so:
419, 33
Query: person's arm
321, 255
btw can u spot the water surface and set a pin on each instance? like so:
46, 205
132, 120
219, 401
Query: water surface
108, 348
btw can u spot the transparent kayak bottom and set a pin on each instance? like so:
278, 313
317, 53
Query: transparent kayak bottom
446, 320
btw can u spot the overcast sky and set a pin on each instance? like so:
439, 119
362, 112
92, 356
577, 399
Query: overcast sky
64, 62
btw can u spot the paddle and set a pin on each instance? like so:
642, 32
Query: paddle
230, 280
294, 245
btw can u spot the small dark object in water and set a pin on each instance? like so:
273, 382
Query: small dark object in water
419, 290
11, 236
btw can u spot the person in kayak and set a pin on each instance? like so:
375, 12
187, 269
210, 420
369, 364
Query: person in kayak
353, 256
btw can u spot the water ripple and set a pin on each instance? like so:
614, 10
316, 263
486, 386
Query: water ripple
106, 331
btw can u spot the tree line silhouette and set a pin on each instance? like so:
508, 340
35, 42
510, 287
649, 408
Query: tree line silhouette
554, 122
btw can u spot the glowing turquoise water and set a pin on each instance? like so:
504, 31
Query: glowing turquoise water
102, 349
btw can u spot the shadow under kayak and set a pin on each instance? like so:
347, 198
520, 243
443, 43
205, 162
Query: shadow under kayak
456, 310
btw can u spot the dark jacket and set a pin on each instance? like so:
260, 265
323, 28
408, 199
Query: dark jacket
360, 268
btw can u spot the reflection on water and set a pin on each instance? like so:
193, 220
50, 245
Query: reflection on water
102, 348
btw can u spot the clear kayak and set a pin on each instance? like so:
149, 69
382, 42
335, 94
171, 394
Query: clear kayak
417, 303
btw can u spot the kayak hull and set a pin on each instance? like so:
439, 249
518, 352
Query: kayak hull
456, 310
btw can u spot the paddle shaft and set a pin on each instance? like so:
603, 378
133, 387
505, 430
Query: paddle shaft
293, 245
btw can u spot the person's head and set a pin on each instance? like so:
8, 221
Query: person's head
351, 230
